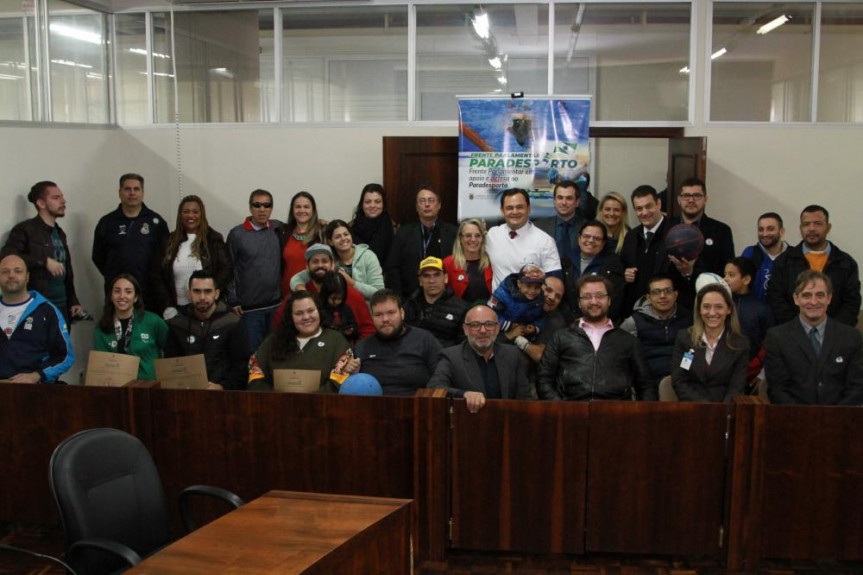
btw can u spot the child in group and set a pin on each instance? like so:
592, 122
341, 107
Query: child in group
755, 316
335, 313
517, 299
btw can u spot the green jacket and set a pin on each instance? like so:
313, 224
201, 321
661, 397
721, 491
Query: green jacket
149, 336
320, 353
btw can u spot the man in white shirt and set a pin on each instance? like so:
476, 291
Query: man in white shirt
518, 242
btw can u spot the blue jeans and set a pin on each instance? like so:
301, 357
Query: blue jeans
258, 324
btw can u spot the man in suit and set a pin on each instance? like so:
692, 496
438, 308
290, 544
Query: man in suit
479, 368
718, 240
566, 223
816, 253
813, 359
416, 241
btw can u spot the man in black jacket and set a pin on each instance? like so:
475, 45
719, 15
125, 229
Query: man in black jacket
434, 307
816, 253
42, 245
718, 239
593, 359
415, 241
209, 327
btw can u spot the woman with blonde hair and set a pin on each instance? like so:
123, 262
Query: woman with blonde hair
468, 269
614, 215
710, 358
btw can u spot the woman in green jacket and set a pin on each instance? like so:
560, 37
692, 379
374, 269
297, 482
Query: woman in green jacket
126, 328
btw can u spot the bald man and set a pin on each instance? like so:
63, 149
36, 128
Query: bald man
34, 339
480, 368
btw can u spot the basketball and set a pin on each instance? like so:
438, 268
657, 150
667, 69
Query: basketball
684, 241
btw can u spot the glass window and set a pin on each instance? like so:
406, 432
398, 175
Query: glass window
478, 49
131, 80
632, 58
761, 67
78, 63
15, 93
840, 81
345, 64
219, 59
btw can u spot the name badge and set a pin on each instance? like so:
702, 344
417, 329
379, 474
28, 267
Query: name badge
686, 362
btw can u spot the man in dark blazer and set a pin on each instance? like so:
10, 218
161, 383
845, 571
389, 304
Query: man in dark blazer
813, 359
415, 241
566, 223
479, 368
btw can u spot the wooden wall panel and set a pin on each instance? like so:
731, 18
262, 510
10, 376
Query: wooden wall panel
518, 476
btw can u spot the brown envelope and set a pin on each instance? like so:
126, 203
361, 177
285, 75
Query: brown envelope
111, 369
188, 372
296, 380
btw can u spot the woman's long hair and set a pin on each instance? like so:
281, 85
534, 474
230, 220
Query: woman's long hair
285, 335
457, 251
200, 248
106, 322
367, 189
732, 324
331, 229
314, 233
624, 218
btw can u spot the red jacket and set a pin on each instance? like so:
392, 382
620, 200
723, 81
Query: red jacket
457, 277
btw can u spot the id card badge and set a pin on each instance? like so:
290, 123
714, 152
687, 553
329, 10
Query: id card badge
686, 362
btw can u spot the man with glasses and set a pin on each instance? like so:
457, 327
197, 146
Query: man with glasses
592, 259
592, 359
255, 291
718, 240
126, 240
655, 322
813, 359
480, 368
416, 241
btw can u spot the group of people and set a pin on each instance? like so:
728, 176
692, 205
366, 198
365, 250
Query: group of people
576, 306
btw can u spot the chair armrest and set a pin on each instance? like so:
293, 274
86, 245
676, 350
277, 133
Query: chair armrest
113, 547
223, 494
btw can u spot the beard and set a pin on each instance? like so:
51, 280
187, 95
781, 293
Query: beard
594, 314
397, 331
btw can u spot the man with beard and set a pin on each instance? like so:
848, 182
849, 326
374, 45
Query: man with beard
42, 244
815, 253
718, 239
771, 244
481, 368
319, 261
208, 326
593, 359
401, 357
34, 342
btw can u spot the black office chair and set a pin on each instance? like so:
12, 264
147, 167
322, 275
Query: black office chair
111, 502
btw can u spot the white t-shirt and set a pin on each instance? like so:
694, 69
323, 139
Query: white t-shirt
185, 265
531, 246
10, 315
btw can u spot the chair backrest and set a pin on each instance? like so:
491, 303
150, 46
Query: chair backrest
106, 486
666, 390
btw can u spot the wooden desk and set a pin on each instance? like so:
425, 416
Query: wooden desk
291, 532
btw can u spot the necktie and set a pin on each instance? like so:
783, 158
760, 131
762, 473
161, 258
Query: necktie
647, 237
512, 234
813, 337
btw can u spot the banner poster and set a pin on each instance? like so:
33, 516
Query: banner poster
519, 143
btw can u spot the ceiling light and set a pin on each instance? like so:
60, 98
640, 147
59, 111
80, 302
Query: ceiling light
502, 80
10, 77
481, 25
76, 33
774, 24
495, 62
684, 70
144, 53
718, 53
70, 63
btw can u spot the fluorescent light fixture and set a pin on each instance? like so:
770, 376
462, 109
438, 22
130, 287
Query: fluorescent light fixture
502, 80
721, 52
10, 77
71, 63
163, 74
684, 70
76, 33
495, 62
774, 24
143, 52
481, 25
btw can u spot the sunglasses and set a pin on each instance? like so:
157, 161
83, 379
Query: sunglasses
261, 204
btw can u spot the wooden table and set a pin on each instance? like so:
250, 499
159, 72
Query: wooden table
291, 532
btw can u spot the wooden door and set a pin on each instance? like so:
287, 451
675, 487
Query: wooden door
411, 162
687, 158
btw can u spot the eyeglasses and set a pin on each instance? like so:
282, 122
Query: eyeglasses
590, 238
689, 196
592, 296
261, 204
471, 236
476, 325
662, 291
427, 201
